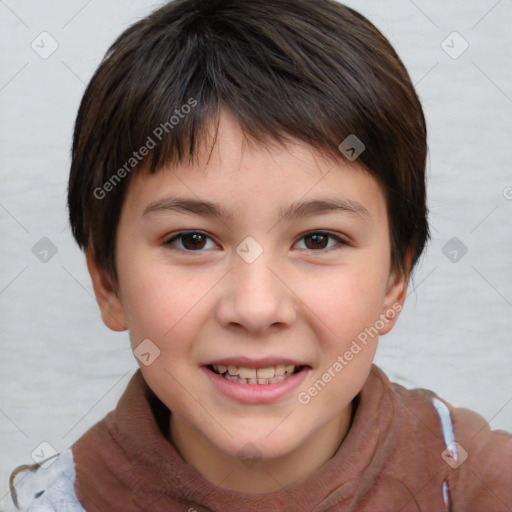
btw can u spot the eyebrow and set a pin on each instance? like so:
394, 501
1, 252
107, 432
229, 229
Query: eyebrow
298, 209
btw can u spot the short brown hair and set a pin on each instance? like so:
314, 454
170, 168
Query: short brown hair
310, 70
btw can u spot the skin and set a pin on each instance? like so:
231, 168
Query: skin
296, 300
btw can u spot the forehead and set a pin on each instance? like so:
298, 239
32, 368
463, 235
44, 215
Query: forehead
232, 173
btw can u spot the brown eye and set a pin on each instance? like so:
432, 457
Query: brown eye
192, 241
318, 240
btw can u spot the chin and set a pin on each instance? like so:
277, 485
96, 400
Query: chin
258, 446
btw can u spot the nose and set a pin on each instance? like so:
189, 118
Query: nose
257, 297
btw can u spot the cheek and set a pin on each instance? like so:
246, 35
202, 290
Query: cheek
161, 303
346, 300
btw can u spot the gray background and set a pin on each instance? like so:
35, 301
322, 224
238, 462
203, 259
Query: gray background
62, 370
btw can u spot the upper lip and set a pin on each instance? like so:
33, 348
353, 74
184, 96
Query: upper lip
248, 362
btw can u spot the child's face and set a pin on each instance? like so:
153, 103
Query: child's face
303, 300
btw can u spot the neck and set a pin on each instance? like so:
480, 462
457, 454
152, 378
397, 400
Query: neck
260, 475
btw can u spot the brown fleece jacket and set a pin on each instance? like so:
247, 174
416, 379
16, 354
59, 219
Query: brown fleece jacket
394, 458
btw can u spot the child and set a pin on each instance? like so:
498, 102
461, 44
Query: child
286, 135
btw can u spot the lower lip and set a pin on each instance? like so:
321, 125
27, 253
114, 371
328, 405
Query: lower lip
256, 393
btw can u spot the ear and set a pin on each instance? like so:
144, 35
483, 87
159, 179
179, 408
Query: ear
395, 295
112, 311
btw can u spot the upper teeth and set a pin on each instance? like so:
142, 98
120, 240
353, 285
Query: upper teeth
255, 373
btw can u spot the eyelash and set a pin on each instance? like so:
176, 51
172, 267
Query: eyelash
340, 241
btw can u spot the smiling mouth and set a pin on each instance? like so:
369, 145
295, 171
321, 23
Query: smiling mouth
244, 375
